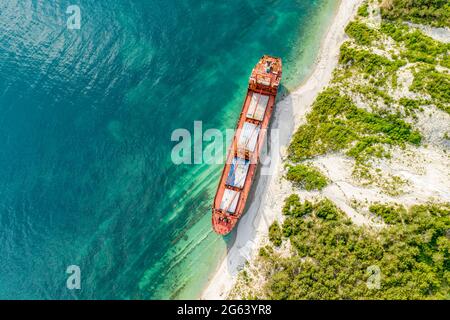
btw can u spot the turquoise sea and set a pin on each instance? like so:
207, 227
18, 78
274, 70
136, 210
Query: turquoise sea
86, 118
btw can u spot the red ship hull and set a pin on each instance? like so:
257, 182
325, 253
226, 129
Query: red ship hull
243, 156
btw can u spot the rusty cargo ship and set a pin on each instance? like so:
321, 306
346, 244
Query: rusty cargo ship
243, 156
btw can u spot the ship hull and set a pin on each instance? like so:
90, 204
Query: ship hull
243, 156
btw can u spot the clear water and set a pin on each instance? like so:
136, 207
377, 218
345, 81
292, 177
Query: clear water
85, 123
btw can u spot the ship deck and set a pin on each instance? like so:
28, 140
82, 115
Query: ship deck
243, 156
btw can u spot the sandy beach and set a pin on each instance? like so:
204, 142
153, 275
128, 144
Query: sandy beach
270, 191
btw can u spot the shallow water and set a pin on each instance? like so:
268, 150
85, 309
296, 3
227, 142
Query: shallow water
86, 118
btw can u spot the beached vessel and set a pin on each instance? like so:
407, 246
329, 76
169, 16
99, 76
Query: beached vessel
243, 155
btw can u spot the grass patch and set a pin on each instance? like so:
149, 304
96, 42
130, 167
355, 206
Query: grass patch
373, 93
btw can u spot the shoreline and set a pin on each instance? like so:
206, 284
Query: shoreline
269, 193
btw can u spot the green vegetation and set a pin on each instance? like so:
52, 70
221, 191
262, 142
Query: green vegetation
436, 84
390, 184
293, 207
363, 10
419, 47
367, 62
326, 209
362, 34
373, 93
275, 234
335, 122
432, 12
333, 256
306, 177
390, 214
265, 251
410, 105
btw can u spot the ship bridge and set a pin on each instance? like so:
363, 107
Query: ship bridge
266, 76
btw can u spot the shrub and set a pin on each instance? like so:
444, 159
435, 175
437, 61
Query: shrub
419, 47
368, 147
275, 234
293, 206
363, 10
335, 122
362, 34
266, 251
390, 214
306, 177
368, 62
432, 12
411, 104
327, 210
436, 84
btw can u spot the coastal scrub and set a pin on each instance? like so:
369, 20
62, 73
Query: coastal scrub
333, 256
379, 119
307, 177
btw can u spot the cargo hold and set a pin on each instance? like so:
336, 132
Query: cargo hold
258, 105
238, 172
